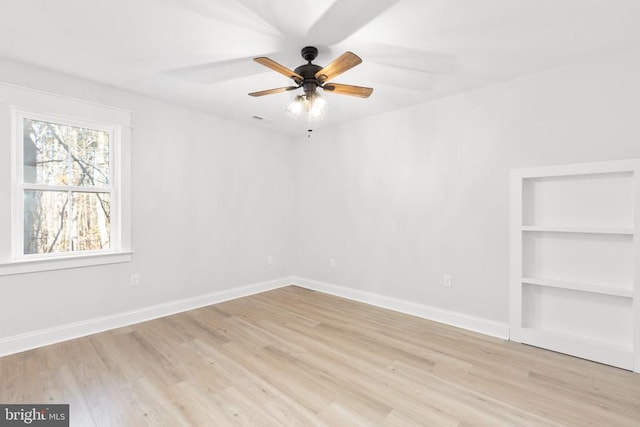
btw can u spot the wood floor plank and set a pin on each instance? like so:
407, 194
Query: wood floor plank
296, 357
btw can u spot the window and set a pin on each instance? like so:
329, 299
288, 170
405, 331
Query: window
64, 182
66, 185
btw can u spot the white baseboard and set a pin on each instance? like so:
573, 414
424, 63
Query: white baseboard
56, 334
460, 320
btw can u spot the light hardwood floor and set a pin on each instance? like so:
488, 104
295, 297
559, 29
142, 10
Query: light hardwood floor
297, 357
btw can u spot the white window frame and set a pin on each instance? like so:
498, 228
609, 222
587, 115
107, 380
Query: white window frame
20, 186
28, 103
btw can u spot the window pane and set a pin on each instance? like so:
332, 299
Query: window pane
45, 222
56, 221
58, 154
90, 221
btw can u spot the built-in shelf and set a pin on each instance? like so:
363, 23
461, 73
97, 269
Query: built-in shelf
578, 286
586, 230
555, 335
609, 353
575, 269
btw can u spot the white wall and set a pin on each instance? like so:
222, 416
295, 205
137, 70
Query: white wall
401, 199
211, 200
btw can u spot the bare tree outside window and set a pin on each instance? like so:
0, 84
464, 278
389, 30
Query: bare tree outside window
67, 193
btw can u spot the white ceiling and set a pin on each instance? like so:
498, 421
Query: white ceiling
198, 52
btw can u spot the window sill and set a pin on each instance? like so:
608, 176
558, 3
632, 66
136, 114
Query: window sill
61, 263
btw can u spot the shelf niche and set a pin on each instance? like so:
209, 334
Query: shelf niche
574, 276
597, 201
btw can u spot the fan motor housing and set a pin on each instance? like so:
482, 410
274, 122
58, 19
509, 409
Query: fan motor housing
308, 73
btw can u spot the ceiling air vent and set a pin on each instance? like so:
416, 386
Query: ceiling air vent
262, 119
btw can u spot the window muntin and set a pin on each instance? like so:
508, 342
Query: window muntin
66, 185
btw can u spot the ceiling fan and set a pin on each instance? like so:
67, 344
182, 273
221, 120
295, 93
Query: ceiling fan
310, 76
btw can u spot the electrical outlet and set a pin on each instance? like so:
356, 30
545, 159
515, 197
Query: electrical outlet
446, 281
332, 262
135, 279
270, 259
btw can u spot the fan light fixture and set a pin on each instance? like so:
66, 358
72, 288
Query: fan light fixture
312, 103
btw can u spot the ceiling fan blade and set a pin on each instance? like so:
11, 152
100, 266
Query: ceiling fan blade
270, 63
359, 91
345, 17
272, 91
344, 62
